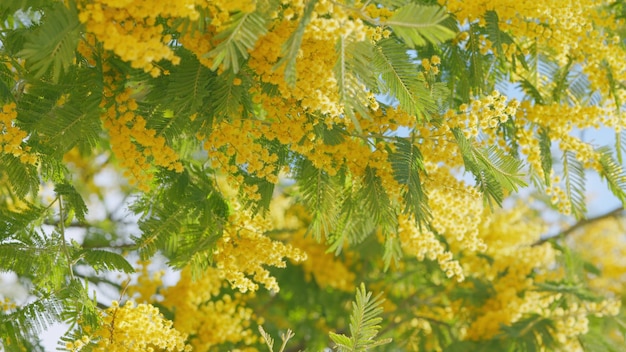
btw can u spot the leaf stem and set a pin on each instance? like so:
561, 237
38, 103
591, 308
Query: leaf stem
64, 242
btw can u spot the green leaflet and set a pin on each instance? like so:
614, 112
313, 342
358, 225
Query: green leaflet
29, 321
612, 173
399, 79
493, 170
72, 200
418, 25
574, 177
22, 178
353, 72
101, 260
364, 322
494, 33
533, 333
321, 193
226, 99
235, 41
407, 164
53, 45
545, 153
196, 216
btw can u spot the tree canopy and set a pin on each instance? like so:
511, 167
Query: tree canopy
402, 175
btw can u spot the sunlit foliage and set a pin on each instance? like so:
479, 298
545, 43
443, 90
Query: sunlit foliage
402, 175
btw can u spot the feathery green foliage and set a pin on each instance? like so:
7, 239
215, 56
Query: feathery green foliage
418, 25
493, 170
234, 43
400, 79
574, 177
364, 322
53, 44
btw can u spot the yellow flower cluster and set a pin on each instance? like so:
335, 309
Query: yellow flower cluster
514, 266
208, 317
561, 121
316, 87
244, 250
131, 31
432, 64
509, 236
137, 328
483, 116
239, 140
77, 345
550, 25
424, 244
7, 304
457, 210
12, 137
325, 268
147, 284
135, 146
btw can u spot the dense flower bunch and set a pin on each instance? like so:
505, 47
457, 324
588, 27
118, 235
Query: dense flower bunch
244, 250
279, 152
136, 146
12, 137
130, 29
133, 328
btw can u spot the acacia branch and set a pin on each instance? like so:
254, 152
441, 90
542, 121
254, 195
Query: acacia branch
582, 223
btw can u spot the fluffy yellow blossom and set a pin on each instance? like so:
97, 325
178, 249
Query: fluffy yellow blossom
424, 244
147, 284
137, 328
12, 137
244, 250
7, 304
130, 29
136, 147
207, 315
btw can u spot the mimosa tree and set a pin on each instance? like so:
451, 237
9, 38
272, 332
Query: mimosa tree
273, 157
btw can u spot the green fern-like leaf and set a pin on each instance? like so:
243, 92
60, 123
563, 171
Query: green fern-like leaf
184, 220
235, 41
400, 80
364, 322
29, 321
351, 70
72, 200
494, 33
574, 177
22, 178
228, 100
545, 153
418, 25
612, 173
104, 260
493, 170
322, 194
376, 201
354, 226
533, 333
407, 164
53, 45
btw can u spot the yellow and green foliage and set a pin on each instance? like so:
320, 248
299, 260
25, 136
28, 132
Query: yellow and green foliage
262, 161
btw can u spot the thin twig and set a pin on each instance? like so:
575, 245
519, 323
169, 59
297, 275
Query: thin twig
581, 223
